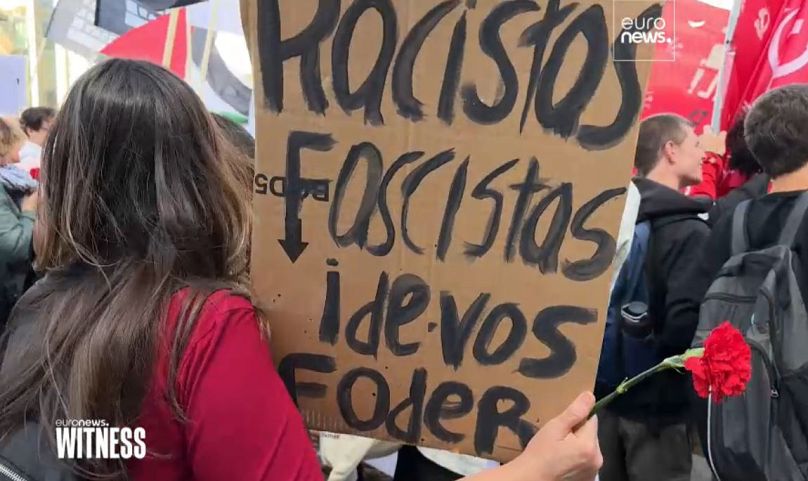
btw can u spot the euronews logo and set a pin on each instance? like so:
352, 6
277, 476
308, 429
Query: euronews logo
644, 31
95, 439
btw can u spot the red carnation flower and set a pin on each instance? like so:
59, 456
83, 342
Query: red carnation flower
725, 367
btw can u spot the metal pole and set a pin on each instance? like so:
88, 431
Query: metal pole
718, 101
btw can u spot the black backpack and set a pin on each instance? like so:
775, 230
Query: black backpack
761, 435
625, 354
629, 345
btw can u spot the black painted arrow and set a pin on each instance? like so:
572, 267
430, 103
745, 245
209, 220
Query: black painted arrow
292, 242
293, 245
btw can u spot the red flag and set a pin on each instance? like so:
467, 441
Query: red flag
748, 55
148, 42
688, 85
786, 59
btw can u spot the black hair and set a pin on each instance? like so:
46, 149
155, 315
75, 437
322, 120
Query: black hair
774, 130
31, 120
740, 157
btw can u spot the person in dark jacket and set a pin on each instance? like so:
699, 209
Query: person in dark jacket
18, 201
643, 434
775, 133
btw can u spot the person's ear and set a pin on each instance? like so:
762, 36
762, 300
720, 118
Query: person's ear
669, 150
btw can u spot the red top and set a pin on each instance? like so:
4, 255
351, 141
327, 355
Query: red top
712, 171
242, 423
718, 179
732, 180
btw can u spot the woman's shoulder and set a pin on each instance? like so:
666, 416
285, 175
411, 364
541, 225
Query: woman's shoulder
210, 311
200, 317
226, 300
207, 326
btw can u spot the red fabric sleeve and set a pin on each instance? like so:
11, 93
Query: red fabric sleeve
244, 425
711, 173
731, 181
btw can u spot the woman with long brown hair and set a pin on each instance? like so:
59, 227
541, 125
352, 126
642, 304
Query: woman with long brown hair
142, 318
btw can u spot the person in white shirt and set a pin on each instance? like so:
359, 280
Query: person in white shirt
36, 123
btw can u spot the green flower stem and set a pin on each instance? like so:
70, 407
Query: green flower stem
673, 362
628, 384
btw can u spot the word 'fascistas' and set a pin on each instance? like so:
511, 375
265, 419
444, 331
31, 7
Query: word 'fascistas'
520, 231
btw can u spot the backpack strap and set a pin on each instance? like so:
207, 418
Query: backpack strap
642, 233
789, 233
740, 238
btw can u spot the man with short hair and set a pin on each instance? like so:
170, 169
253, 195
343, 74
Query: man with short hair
36, 123
776, 132
643, 433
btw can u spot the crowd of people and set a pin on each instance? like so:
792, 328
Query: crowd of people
685, 253
125, 288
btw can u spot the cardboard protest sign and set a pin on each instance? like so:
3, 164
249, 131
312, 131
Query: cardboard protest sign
437, 193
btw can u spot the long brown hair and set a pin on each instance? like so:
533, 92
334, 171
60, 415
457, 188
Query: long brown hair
138, 202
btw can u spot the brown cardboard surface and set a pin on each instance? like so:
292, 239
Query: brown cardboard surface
510, 226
